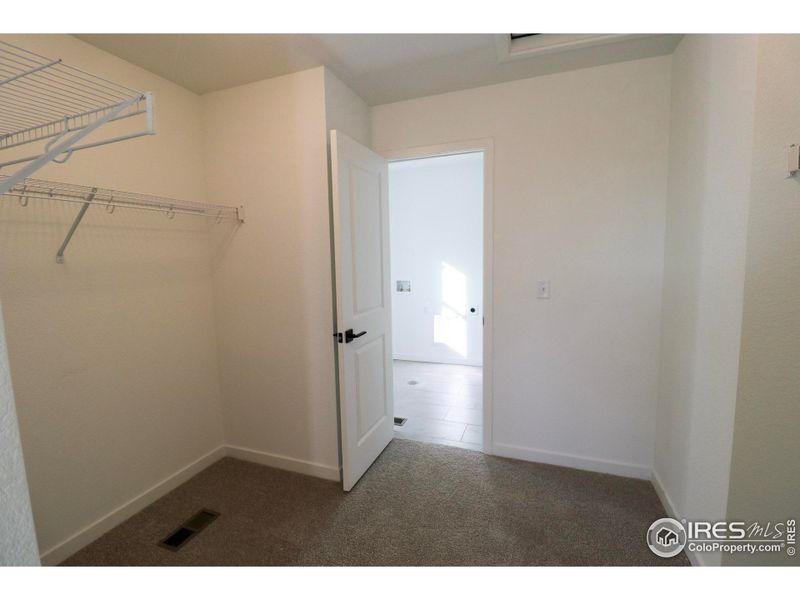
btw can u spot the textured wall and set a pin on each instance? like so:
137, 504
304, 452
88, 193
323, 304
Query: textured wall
17, 536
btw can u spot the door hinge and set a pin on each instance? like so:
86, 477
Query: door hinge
338, 337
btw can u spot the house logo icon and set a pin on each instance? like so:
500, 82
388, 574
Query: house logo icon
666, 537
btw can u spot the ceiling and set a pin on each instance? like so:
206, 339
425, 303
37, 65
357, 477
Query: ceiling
381, 68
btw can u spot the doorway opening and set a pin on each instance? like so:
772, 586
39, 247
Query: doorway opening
436, 225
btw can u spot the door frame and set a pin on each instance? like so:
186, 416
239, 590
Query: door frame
485, 145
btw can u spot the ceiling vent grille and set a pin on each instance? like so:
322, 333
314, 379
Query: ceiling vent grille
516, 46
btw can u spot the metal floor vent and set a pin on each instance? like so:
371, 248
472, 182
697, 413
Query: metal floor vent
400, 421
190, 528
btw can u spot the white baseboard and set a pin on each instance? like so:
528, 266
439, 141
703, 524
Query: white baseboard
285, 462
662, 494
90, 533
437, 360
672, 511
572, 461
63, 550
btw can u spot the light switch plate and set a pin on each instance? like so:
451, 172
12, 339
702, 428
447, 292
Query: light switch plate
794, 159
543, 289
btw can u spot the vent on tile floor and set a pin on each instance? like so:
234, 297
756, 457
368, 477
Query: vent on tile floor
190, 528
400, 421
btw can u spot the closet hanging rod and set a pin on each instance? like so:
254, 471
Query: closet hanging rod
45, 99
110, 200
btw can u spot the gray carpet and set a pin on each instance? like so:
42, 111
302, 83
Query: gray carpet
419, 504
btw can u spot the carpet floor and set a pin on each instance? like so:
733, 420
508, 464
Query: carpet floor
419, 504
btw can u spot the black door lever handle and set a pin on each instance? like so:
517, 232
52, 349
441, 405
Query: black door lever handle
349, 336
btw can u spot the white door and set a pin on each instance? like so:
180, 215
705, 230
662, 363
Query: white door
363, 312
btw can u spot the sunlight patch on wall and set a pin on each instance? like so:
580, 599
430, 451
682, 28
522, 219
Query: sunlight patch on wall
450, 325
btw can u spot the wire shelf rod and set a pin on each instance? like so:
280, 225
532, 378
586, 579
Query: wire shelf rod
29, 72
55, 98
110, 200
39, 109
37, 113
60, 93
81, 119
43, 101
33, 59
15, 118
117, 203
35, 89
42, 98
65, 192
3, 120
75, 148
63, 144
75, 90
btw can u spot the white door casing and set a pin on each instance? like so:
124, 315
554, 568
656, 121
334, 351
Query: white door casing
485, 145
361, 258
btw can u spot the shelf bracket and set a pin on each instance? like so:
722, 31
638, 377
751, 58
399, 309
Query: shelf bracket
75, 223
65, 145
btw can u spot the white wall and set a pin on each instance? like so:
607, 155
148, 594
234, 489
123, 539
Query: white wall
765, 471
113, 354
345, 110
135, 325
265, 145
436, 227
579, 192
709, 181
133, 328
17, 535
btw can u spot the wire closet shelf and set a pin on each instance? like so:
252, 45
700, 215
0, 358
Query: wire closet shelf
110, 200
45, 99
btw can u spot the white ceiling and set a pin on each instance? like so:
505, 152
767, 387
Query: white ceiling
380, 68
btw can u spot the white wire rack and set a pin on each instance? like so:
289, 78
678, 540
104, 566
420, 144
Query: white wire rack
110, 200
44, 99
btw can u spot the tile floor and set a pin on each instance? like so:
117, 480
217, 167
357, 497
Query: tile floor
443, 403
